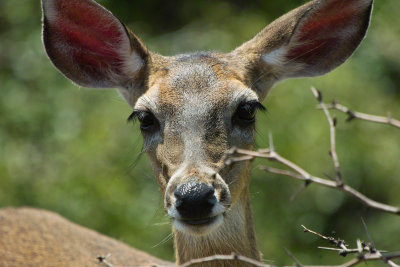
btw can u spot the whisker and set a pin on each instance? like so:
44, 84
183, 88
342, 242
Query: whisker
135, 162
161, 223
165, 240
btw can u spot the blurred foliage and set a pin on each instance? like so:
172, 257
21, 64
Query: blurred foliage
72, 152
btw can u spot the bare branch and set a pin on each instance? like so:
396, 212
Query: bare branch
339, 250
366, 252
387, 258
232, 257
389, 262
337, 242
363, 116
332, 127
303, 175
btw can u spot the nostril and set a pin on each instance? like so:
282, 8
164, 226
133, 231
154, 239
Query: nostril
178, 193
194, 200
210, 197
209, 192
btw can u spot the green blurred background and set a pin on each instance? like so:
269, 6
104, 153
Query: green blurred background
71, 151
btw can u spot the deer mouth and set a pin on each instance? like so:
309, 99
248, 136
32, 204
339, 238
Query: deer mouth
198, 227
203, 221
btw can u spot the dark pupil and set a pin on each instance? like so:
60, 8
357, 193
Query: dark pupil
146, 119
246, 112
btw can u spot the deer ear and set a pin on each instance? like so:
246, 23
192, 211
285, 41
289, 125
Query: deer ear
90, 46
308, 41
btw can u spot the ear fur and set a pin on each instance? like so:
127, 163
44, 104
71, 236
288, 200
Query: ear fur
92, 47
308, 41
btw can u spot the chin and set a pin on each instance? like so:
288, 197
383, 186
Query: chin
201, 227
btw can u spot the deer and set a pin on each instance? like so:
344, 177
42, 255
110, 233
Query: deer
192, 108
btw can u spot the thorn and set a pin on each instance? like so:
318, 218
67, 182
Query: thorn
271, 143
334, 120
298, 191
231, 151
359, 246
296, 262
307, 182
343, 253
351, 116
319, 96
329, 176
235, 256
373, 250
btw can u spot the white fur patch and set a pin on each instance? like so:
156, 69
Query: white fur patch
198, 230
275, 57
51, 13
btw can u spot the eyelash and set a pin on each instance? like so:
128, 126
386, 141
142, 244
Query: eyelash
147, 120
245, 113
253, 105
134, 115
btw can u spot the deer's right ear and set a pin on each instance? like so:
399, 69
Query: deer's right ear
90, 46
308, 41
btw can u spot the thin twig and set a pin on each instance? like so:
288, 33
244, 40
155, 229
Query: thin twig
372, 246
303, 175
332, 127
364, 258
232, 257
368, 235
366, 252
339, 250
363, 116
353, 262
296, 261
337, 242
103, 260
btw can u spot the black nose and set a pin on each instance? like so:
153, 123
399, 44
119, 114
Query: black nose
194, 200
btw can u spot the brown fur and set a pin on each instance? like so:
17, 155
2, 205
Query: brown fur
33, 237
194, 98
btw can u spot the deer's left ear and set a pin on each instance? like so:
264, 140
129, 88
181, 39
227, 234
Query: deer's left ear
308, 41
92, 47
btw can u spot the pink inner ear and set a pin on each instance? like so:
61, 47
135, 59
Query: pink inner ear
313, 50
324, 29
90, 33
327, 24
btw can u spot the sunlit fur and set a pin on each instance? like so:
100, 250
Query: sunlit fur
193, 98
182, 147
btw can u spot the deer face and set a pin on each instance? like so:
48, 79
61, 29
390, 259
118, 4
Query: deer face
193, 108
186, 139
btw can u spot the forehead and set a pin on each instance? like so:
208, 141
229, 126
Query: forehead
202, 80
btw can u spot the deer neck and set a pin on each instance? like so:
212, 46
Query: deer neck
235, 235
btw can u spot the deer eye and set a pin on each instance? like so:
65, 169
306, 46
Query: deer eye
246, 112
146, 119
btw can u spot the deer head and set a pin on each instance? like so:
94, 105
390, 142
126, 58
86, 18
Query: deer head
192, 108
